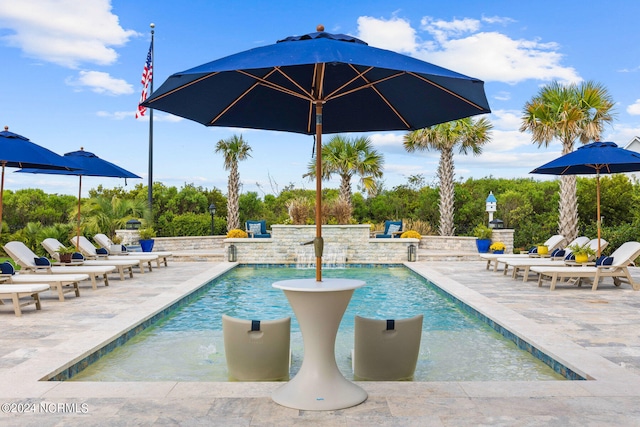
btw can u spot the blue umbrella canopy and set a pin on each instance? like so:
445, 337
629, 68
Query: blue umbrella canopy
87, 164
320, 83
16, 151
593, 159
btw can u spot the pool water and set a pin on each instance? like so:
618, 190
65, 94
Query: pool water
188, 344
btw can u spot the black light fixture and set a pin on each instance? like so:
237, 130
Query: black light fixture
132, 224
212, 211
232, 253
411, 253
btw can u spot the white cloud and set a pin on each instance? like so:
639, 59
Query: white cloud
462, 46
100, 82
394, 34
65, 32
634, 109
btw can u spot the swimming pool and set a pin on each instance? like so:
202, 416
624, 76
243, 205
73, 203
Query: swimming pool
187, 345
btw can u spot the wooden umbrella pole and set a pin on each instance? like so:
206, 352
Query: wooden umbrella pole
598, 209
1, 194
318, 188
78, 220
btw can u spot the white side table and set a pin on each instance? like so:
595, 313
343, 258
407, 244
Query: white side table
319, 307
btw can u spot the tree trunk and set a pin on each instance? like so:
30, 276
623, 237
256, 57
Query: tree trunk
568, 221
445, 174
345, 188
233, 214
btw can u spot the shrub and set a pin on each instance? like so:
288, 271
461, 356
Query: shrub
236, 233
410, 234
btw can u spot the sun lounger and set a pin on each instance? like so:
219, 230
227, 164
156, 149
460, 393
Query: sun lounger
25, 258
89, 251
106, 243
523, 265
52, 246
618, 269
15, 292
553, 242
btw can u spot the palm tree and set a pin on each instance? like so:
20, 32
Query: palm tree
348, 157
568, 113
107, 214
233, 149
469, 136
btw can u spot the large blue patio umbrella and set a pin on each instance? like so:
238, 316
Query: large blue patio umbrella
88, 164
16, 151
320, 83
595, 158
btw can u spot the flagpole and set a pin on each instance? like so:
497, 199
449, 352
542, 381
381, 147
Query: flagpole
150, 182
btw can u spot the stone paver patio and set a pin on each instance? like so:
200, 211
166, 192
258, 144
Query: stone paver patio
594, 333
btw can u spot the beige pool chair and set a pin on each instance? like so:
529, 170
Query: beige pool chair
257, 350
16, 292
106, 243
523, 265
25, 258
553, 242
52, 246
386, 350
618, 270
89, 251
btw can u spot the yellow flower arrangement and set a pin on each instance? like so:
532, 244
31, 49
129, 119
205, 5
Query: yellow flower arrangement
497, 246
410, 234
236, 233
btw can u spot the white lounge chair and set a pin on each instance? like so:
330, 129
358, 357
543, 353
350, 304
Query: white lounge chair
386, 350
618, 269
257, 350
553, 242
523, 265
15, 292
106, 243
53, 246
89, 251
25, 258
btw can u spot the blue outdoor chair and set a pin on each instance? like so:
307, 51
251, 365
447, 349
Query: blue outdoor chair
391, 229
257, 229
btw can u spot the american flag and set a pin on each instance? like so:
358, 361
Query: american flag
147, 76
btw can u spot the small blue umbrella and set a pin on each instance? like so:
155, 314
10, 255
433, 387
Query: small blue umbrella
87, 164
16, 151
320, 83
595, 158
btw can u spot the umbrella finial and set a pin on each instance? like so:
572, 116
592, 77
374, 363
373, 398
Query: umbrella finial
81, 148
320, 28
6, 128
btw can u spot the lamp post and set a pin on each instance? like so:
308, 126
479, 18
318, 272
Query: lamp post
212, 211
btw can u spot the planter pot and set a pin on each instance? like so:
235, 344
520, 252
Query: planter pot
115, 248
65, 257
483, 245
543, 250
146, 245
582, 258
501, 251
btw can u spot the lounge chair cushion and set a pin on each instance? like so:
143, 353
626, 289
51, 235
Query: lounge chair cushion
77, 256
102, 251
42, 261
393, 228
7, 268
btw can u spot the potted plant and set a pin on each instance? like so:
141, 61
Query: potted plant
497, 247
116, 247
582, 253
483, 237
542, 249
65, 253
146, 238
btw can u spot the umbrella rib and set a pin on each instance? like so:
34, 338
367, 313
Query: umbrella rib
446, 90
371, 85
262, 80
258, 81
183, 86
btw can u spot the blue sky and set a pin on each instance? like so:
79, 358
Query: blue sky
70, 78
